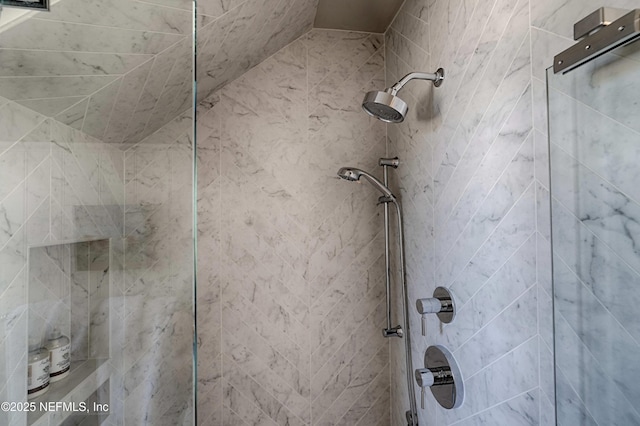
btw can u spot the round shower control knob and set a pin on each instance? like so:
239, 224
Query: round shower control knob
442, 375
441, 304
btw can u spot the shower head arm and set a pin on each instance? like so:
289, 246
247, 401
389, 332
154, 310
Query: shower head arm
436, 78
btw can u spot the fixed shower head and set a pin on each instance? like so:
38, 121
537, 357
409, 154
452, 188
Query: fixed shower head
386, 106
352, 174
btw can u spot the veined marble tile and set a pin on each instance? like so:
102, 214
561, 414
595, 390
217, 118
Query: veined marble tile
152, 90
599, 267
507, 284
519, 411
379, 413
176, 4
294, 16
52, 106
362, 372
347, 314
13, 304
540, 105
252, 365
74, 116
514, 88
217, 7
348, 411
285, 346
547, 411
513, 326
297, 379
511, 186
547, 378
12, 169
67, 36
210, 40
602, 208
51, 87
285, 315
130, 89
489, 388
329, 49
491, 58
267, 403
239, 410
545, 46
571, 409
25, 63
122, 14
413, 28
16, 358
99, 108
610, 400
37, 190
323, 353
599, 142
12, 213
542, 158
494, 167
16, 122
367, 334
515, 229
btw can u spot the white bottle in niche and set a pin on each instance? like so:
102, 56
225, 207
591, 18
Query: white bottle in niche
37, 370
59, 356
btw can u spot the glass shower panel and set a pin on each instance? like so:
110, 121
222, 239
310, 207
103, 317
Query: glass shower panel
594, 131
96, 213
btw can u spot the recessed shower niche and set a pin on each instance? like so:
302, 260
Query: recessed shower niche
68, 294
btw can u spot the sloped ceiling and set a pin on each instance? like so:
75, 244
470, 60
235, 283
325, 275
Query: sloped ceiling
372, 16
120, 69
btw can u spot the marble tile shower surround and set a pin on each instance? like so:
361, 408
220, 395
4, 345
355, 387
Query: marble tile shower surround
290, 270
58, 185
474, 184
119, 70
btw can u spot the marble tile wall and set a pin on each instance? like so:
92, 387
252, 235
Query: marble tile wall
119, 70
468, 186
158, 279
58, 185
290, 280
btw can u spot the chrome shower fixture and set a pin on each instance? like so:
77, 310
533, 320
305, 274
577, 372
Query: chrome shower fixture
399, 331
388, 107
353, 174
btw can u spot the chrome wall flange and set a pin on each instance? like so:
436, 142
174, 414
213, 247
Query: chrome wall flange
443, 376
442, 304
439, 77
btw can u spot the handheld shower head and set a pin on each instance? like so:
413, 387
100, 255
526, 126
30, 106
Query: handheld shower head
387, 107
352, 174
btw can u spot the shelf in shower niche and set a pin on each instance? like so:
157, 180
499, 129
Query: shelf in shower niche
85, 377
